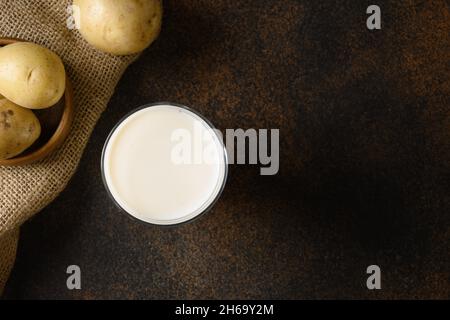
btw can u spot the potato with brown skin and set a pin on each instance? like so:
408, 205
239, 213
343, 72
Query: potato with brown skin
19, 129
31, 76
119, 27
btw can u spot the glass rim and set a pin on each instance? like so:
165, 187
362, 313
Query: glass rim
208, 123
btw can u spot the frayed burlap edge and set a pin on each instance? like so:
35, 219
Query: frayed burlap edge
8, 248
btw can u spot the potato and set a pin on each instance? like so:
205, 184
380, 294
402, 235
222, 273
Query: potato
31, 76
119, 27
19, 129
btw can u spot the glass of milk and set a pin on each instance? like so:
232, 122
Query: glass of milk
164, 164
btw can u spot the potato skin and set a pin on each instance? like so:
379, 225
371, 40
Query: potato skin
19, 129
120, 27
31, 76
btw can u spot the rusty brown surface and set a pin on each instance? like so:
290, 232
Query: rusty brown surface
365, 161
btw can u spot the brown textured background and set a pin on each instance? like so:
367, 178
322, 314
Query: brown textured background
365, 161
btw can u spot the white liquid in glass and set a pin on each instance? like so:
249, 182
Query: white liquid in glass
142, 176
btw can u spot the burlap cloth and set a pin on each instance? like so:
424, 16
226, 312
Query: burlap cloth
24, 191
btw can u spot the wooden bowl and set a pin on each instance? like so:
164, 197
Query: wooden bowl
56, 122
